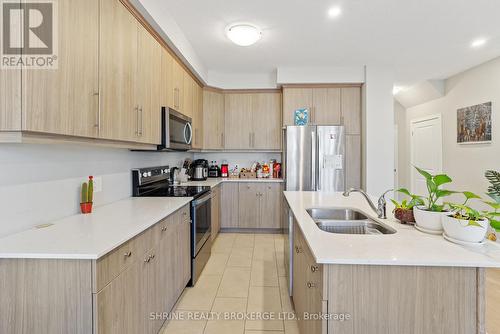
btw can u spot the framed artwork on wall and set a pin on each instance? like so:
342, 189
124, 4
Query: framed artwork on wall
474, 124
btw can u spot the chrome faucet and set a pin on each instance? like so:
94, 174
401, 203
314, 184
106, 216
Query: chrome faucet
381, 204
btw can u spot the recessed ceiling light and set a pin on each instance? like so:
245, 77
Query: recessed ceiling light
334, 11
243, 34
477, 43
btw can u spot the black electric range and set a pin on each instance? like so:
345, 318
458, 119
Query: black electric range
154, 182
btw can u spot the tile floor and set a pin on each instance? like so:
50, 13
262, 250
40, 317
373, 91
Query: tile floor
245, 274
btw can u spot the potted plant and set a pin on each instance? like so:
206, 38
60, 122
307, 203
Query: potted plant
87, 196
404, 211
494, 193
428, 216
465, 223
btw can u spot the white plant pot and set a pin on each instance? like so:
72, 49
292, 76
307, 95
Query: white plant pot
428, 220
459, 229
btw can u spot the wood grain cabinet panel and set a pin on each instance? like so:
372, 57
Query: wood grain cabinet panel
326, 106
65, 100
353, 161
148, 88
167, 81
213, 120
10, 100
351, 110
45, 296
238, 127
270, 205
118, 72
229, 205
177, 86
266, 121
293, 99
197, 116
187, 94
249, 205
215, 212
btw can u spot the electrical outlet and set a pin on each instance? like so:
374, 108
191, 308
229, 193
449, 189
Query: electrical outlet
97, 184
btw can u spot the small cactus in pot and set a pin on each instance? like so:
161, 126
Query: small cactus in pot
87, 196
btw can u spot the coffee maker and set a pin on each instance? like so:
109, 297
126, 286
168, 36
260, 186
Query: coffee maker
199, 170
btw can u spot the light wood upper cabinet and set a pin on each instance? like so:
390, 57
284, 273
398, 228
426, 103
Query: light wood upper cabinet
252, 120
351, 110
238, 127
326, 106
118, 72
167, 82
187, 105
197, 116
177, 86
213, 120
266, 121
149, 88
65, 100
293, 99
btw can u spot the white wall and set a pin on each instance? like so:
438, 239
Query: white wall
464, 163
41, 183
378, 130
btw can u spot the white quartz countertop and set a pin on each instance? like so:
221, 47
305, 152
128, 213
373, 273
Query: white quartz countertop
405, 247
91, 236
212, 182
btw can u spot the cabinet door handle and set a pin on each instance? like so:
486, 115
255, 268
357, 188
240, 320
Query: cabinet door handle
298, 249
314, 269
137, 120
142, 121
152, 256
98, 120
253, 139
311, 285
221, 140
250, 139
148, 259
164, 228
127, 254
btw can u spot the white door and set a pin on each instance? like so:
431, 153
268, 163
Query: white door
426, 150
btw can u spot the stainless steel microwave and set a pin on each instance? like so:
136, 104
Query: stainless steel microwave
176, 130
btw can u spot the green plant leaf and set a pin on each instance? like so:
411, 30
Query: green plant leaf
495, 224
474, 223
396, 204
441, 179
443, 193
431, 185
470, 195
425, 174
436, 208
494, 197
404, 191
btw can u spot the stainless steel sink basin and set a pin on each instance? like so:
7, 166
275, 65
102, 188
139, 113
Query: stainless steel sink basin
347, 221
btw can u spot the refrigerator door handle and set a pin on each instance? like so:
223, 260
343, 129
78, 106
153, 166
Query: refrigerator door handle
313, 160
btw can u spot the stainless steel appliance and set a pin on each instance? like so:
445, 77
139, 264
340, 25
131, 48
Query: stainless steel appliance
314, 160
176, 130
154, 182
199, 170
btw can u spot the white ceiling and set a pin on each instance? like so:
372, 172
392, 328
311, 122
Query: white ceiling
421, 39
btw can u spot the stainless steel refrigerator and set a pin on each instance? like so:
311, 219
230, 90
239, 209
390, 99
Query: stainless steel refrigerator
314, 158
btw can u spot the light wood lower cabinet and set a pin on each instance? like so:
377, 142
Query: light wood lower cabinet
229, 205
259, 205
388, 299
216, 211
127, 290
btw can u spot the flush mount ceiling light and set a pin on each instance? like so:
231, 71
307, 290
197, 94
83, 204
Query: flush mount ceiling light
334, 12
477, 43
243, 34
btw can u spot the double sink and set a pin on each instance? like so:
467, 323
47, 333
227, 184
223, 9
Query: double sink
347, 221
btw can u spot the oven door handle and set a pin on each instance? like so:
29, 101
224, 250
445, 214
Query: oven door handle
202, 199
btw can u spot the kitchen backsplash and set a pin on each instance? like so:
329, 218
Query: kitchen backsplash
41, 183
241, 159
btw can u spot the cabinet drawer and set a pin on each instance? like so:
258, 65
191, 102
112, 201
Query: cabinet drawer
112, 264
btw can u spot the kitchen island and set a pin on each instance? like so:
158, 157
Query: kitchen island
405, 282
